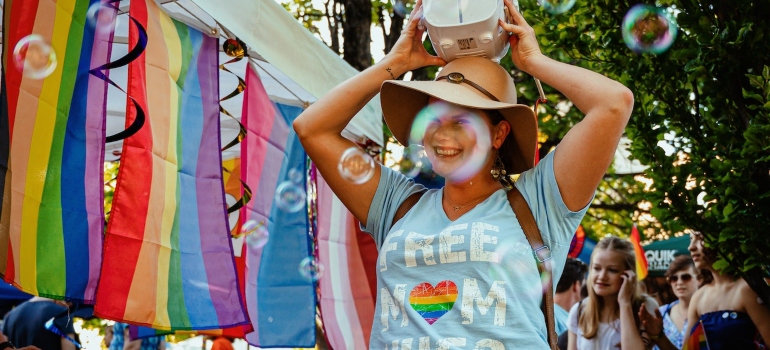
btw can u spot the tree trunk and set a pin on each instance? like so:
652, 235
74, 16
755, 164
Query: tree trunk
356, 33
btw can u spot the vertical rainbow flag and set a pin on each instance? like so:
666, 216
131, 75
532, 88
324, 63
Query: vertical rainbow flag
168, 258
346, 302
52, 152
280, 301
697, 339
641, 259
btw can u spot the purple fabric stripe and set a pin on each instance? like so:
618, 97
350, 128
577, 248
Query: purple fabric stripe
96, 131
215, 237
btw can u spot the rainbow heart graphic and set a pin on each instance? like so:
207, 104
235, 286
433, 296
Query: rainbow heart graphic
433, 302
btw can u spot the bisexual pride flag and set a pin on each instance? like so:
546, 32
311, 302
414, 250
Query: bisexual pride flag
52, 147
168, 260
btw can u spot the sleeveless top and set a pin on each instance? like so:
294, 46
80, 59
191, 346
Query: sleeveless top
726, 329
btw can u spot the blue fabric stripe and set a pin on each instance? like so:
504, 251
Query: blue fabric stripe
286, 300
73, 168
195, 286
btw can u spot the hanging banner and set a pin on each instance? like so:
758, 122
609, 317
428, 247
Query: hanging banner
52, 115
167, 254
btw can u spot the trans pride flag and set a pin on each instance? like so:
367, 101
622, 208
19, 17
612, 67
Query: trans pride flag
280, 301
347, 301
52, 152
168, 258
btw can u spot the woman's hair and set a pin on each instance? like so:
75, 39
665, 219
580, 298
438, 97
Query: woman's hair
680, 263
589, 318
495, 117
709, 256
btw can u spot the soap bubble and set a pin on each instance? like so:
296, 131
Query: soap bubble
413, 161
356, 166
399, 8
444, 124
34, 57
258, 238
311, 269
556, 7
295, 176
289, 197
249, 227
648, 29
102, 18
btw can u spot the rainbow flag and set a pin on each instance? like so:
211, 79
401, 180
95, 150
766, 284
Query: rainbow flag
349, 255
168, 258
641, 259
52, 152
697, 339
280, 301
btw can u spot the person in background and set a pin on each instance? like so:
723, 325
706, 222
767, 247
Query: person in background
25, 325
222, 343
121, 340
108, 335
683, 278
725, 309
568, 291
607, 318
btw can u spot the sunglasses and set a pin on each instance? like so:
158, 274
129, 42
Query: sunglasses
686, 277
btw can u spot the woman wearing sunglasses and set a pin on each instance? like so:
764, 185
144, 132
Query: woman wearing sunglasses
681, 275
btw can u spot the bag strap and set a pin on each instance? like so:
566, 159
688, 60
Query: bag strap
542, 254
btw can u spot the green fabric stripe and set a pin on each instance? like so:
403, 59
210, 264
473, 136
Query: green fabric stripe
432, 307
176, 308
50, 229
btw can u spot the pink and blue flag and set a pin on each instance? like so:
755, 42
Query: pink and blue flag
281, 302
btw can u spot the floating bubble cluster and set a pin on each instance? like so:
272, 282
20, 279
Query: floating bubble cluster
311, 269
34, 57
556, 7
356, 166
648, 29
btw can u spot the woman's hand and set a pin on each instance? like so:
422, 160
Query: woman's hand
652, 323
408, 53
627, 287
524, 46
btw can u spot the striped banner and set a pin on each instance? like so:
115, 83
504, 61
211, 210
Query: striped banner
280, 301
347, 302
52, 152
168, 258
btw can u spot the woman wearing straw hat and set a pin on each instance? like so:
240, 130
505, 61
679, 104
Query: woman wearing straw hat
455, 269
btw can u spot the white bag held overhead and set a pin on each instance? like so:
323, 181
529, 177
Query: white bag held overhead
462, 28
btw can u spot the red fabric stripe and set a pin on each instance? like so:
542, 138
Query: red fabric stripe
22, 19
121, 238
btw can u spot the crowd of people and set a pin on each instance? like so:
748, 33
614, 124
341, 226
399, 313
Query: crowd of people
614, 313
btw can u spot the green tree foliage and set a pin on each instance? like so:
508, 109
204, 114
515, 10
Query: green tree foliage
700, 120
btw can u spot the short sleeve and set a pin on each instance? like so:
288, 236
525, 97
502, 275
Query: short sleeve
555, 221
392, 190
572, 324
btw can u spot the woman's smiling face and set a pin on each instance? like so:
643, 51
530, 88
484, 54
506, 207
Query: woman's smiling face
457, 140
606, 270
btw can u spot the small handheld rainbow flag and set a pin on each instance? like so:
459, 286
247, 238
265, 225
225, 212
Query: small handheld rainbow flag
641, 259
52, 149
697, 339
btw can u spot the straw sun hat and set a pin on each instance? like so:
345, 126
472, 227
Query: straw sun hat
474, 82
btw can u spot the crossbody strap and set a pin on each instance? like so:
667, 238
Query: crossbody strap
542, 254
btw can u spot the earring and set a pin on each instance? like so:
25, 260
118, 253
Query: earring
498, 169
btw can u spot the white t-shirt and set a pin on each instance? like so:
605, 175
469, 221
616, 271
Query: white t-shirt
471, 283
608, 336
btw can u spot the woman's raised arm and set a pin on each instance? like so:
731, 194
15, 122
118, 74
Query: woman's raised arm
320, 126
587, 150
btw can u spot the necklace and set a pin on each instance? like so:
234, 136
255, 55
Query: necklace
456, 208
